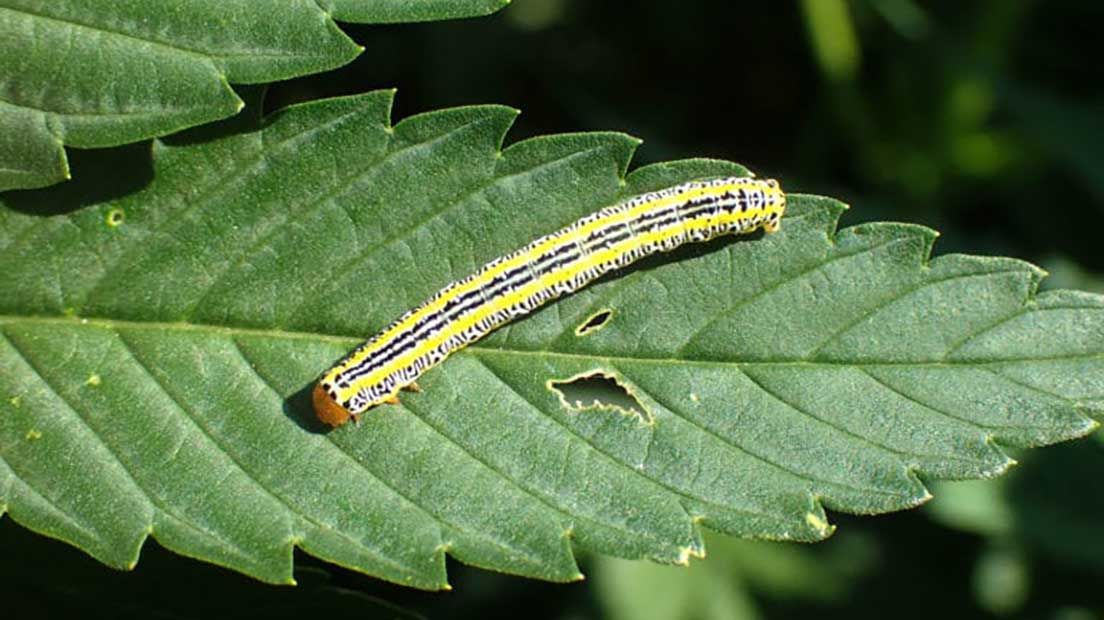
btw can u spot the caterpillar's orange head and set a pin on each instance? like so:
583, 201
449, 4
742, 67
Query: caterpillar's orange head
327, 409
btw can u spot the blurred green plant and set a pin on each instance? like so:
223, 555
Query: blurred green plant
728, 583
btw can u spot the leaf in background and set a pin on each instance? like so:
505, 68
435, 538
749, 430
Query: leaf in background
640, 591
1050, 504
736, 575
976, 506
95, 73
158, 350
1065, 128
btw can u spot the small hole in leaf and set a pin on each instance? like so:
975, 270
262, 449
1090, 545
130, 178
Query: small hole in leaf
115, 217
595, 322
598, 390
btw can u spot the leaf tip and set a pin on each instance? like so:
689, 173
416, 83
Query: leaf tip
1091, 424
924, 497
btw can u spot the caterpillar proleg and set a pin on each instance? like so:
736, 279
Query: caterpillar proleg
554, 265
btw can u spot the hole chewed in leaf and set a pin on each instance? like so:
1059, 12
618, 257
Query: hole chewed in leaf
595, 322
115, 217
599, 389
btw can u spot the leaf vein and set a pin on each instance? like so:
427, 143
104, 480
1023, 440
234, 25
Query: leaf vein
636, 472
799, 476
841, 429
404, 235
203, 55
151, 499
188, 414
895, 390
775, 286
63, 514
897, 296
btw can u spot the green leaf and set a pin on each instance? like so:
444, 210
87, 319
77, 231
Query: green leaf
90, 73
159, 349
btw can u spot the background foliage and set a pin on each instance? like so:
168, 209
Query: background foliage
61, 61
973, 118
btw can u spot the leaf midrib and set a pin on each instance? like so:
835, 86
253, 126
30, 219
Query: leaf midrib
350, 341
139, 114
346, 342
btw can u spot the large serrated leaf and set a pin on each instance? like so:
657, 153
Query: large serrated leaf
158, 349
94, 73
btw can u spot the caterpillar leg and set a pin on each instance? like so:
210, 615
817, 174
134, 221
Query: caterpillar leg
392, 400
773, 222
413, 387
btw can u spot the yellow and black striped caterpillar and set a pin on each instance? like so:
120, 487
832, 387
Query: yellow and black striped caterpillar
553, 265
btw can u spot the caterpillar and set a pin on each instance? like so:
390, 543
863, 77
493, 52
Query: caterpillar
554, 265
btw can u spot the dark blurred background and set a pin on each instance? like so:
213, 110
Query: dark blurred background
982, 119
